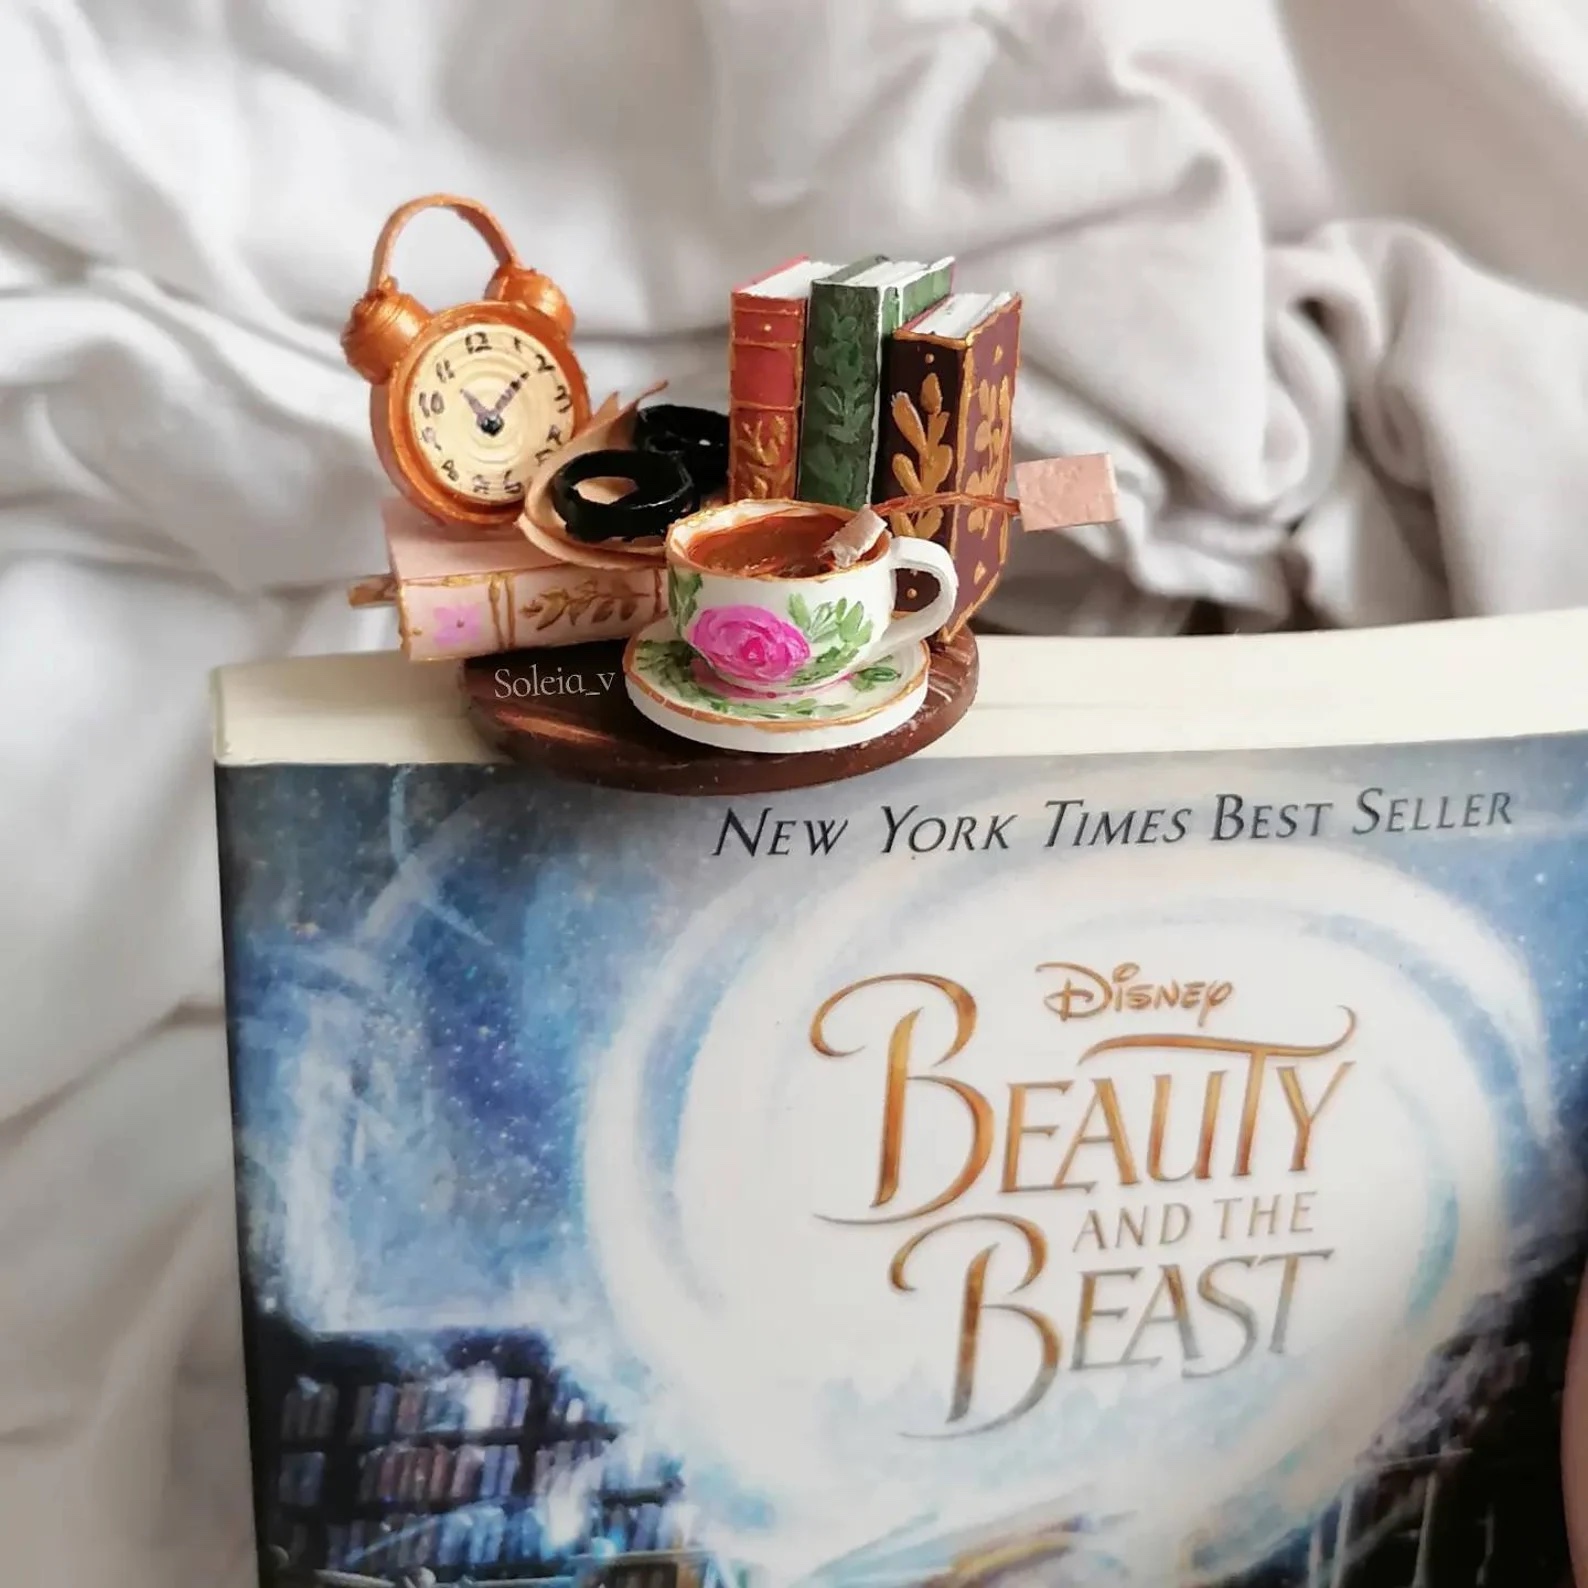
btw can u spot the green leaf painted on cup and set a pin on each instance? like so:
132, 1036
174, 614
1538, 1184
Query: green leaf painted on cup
838, 632
683, 596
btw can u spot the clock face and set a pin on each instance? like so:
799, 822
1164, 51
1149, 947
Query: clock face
487, 405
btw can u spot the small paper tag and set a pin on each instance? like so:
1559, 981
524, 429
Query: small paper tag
1064, 493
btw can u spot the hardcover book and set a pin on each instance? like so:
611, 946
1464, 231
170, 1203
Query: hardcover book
852, 312
1138, 1142
766, 376
947, 404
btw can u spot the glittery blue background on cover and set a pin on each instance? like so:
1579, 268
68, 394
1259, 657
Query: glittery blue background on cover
431, 954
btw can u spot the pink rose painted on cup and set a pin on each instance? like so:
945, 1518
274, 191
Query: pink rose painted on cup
749, 643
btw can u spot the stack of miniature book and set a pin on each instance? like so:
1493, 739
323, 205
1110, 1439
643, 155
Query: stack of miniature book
875, 382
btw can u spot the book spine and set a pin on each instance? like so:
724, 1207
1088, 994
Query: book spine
482, 614
843, 357
766, 373
946, 410
900, 305
981, 534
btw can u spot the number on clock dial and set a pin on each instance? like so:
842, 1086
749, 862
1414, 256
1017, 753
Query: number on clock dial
503, 411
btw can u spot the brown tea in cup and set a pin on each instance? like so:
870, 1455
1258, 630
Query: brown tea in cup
785, 546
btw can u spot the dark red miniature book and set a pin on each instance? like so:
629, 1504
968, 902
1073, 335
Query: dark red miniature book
947, 400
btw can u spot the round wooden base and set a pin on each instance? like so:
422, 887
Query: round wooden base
567, 710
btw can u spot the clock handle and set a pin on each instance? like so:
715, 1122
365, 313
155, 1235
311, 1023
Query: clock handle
385, 321
475, 213
512, 282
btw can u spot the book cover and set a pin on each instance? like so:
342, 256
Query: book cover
766, 375
947, 408
1156, 1170
851, 313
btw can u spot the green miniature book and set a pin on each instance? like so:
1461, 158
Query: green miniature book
852, 313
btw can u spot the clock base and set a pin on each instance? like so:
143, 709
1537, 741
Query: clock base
567, 710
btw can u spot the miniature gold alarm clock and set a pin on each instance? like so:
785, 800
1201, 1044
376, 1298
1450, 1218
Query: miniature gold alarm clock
469, 401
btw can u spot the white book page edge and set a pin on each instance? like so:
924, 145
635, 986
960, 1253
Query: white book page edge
1480, 678
795, 282
961, 313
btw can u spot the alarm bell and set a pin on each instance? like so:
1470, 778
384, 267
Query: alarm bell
382, 327
529, 289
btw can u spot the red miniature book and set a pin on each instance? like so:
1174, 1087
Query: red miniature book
766, 365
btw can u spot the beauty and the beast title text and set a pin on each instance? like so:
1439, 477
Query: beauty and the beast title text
1054, 1174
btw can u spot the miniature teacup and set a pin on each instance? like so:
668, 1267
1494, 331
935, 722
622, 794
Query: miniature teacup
745, 590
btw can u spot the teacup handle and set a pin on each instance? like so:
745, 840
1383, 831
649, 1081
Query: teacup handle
926, 556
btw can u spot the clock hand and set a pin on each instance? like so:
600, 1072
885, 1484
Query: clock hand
489, 420
511, 392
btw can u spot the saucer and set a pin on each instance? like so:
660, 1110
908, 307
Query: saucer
671, 686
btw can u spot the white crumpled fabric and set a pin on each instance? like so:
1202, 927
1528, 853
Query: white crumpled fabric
1312, 273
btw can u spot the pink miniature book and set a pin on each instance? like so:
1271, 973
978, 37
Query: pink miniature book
461, 598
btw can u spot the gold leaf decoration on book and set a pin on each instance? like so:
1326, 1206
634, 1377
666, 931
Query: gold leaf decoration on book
925, 473
764, 446
993, 442
591, 596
